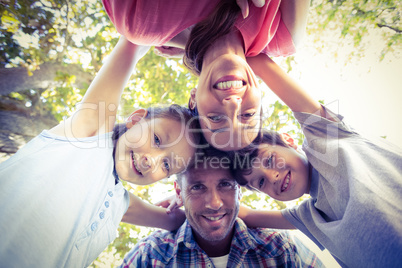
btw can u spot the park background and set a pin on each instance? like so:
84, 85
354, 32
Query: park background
51, 50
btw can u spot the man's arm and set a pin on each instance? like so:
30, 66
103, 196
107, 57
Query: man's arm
264, 219
144, 214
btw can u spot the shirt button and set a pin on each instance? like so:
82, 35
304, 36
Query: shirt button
94, 226
102, 215
107, 204
110, 193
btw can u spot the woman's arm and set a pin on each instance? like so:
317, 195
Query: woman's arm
264, 219
97, 112
294, 16
284, 86
144, 214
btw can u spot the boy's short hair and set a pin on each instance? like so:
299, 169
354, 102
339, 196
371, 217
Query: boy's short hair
242, 160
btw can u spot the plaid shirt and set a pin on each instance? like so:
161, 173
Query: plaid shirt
258, 247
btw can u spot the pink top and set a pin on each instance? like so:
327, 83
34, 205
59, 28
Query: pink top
155, 22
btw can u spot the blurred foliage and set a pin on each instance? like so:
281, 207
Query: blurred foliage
355, 22
79, 32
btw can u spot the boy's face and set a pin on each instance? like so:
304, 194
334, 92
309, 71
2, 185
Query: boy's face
280, 172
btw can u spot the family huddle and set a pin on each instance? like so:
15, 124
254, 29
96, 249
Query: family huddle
62, 194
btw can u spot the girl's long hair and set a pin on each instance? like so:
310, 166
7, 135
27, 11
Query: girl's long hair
206, 32
174, 112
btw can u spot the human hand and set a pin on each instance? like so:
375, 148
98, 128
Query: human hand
171, 203
176, 219
169, 52
244, 7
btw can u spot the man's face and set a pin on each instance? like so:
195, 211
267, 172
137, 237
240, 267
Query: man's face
211, 202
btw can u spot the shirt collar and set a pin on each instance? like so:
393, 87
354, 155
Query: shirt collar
185, 236
244, 239
315, 181
241, 236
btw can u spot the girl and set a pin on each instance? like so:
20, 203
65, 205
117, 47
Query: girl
218, 40
61, 194
355, 183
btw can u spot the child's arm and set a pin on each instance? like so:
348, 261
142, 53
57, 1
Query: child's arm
142, 213
285, 87
264, 219
171, 203
97, 112
294, 16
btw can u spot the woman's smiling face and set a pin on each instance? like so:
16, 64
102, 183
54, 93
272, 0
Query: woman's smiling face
228, 102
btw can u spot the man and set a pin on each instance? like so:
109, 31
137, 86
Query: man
212, 235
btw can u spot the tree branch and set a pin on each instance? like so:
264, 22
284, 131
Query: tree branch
389, 27
17, 79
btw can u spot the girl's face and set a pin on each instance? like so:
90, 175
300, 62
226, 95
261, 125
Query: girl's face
152, 150
228, 102
280, 172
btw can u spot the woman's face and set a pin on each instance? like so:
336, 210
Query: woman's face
228, 102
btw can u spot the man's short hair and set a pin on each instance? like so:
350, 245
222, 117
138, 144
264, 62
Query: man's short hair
209, 158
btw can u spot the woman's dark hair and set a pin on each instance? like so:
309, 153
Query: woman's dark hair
206, 32
174, 112
242, 160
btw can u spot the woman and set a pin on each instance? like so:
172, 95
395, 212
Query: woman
218, 39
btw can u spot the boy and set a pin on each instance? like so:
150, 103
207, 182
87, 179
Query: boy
355, 183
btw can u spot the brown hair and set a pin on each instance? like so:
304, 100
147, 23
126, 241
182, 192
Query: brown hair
206, 32
242, 159
174, 112
206, 158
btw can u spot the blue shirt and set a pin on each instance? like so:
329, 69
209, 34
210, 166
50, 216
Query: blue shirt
60, 205
258, 247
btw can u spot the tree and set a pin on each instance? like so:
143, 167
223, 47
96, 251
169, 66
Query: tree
50, 51
354, 22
